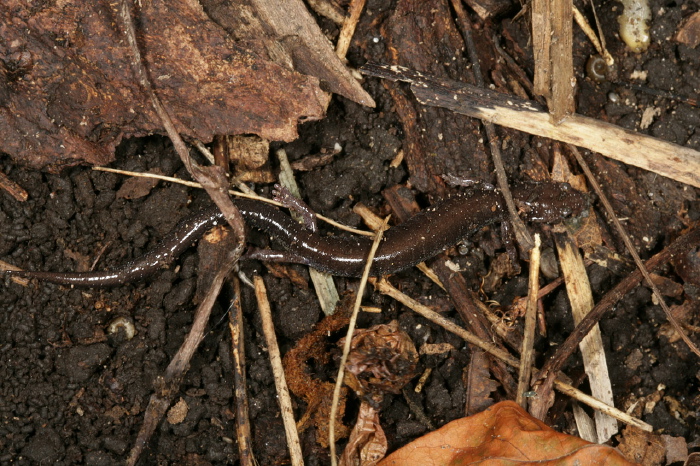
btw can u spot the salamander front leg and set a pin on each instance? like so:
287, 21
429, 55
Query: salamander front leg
293, 203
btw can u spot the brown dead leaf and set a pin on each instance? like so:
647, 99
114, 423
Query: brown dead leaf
139, 186
643, 447
479, 384
689, 32
503, 434
382, 359
68, 94
367, 444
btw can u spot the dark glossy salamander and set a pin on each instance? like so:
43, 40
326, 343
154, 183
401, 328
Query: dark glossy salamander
422, 236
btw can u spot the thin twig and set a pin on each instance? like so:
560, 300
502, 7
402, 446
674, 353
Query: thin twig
194, 184
527, 353
243, 431
348, 340
285, 401
348, 29
386, 288
522, 235
633, 252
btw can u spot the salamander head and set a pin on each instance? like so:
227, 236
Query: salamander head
549, 202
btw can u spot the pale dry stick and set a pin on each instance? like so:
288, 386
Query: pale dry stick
245, 447
194, 184
578, 289
527, 353
541, 40
561, 102
324, 285
348, 29
285, 401
328, 9
386, 288
348, 339
205, 151
584, 423
588, 30
649, 153
630, 248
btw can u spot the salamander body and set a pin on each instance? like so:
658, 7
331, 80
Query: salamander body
419, 238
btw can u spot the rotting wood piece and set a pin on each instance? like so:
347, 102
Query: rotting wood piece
435, 140
661, 157
68, 94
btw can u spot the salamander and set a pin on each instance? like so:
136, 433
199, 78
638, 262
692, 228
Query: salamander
419, 238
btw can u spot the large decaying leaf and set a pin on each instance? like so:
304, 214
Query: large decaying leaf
68, 94
502, 435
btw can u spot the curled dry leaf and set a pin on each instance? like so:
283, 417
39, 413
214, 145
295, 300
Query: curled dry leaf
502, 434
367, 444
382, 360
689, 32
479, 384
68, 93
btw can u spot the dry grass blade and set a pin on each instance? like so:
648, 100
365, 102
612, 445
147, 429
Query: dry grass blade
285, 400
581, 298
527, 354
323, 282
243, 431
385, 287
348, 339
633, 252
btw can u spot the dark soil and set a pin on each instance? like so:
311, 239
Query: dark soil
72, 391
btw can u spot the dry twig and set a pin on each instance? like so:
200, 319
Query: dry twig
646, 152
285, 400
527, 354
348, 339
385, 287
245, 447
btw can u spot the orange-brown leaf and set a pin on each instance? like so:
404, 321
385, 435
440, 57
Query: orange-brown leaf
501, 435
